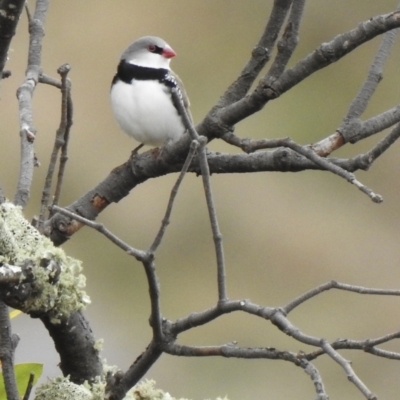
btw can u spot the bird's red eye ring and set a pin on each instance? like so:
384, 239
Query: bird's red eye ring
151, 47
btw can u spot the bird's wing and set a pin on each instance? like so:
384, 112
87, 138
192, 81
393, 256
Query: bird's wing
185, 98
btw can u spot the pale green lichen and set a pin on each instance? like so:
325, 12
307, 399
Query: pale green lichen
21, 242
63, 389
98, 345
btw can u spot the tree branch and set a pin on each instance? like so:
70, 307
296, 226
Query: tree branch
75, 343
323, 56
60, 142
259, 56
24, 95
8, 342
360, 102
9, 17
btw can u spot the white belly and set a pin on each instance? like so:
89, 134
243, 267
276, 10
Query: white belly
144, 110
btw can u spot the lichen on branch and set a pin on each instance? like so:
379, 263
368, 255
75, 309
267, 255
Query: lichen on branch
57, 288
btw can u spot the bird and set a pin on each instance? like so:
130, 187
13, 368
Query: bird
141, 98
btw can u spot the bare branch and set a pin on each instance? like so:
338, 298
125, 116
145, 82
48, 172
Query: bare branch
9, 18
391, 355
29, 386
288, 43
8, 342
368, 345
351, 375
358, 130
24, 95
117, 390
48, 80
337, 285
60, 141
205, 174
174, 192
65, 127
217, 235
316, 378
310, 154
259, 56
232, 350
360, 102
138, 254
323, 56
74, 341
250, 146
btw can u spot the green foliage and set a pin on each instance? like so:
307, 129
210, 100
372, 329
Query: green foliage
22, 372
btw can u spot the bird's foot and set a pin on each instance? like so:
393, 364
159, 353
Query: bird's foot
135, 151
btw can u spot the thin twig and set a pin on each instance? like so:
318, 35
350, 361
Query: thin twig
142, 364
311, 155
24, 95
154, 291
367, 345
360, 102
390, 355
347, 132
250, 146
192, 151
359, 130
65, 126
140, 255
260, 54
316, 378
231, 350
324, 55
381, 146
29, 386
288, 43
7, 347
59, 142
48, 80
205, 174
217, 235
340, 286
145, 257
351, 375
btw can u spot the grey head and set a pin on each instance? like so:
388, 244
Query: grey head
149, 51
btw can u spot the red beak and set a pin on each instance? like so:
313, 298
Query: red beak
168, 52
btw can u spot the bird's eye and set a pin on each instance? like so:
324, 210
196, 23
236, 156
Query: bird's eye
151, 47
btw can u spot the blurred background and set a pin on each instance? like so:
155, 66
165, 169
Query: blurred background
283, 233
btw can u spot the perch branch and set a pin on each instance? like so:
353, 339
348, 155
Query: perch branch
124, 178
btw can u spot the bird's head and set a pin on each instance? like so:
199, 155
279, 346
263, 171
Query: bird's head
149, 51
